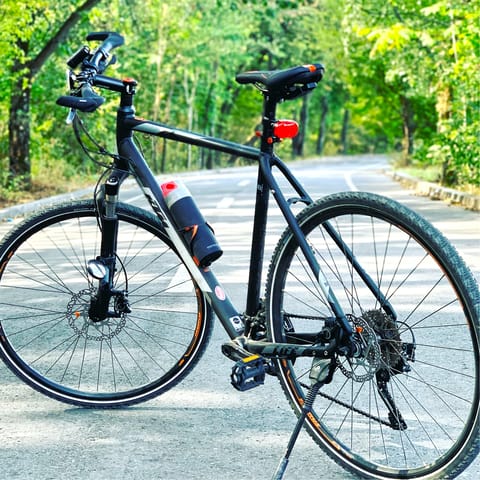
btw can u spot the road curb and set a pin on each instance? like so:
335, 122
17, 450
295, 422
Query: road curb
437, 192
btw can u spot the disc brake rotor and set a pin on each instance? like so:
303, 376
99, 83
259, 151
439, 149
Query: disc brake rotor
79, 321
364, 367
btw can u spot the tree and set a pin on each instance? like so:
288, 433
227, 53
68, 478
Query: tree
428, 52
28, 59
396, 72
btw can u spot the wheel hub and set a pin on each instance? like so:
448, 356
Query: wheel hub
380, 344
363, 367
79, 321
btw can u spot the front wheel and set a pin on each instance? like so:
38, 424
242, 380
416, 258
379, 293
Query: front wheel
47, 337
408, 407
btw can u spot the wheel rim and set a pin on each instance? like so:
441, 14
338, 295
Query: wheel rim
437, 397
48, 337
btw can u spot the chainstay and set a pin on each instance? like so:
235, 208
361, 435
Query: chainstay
306, 317
333, 399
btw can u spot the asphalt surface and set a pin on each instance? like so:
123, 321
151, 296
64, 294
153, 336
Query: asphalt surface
203, 428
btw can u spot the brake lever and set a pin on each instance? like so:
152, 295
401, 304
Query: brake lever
104, 64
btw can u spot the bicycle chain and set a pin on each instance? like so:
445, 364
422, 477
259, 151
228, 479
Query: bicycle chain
306, 317
350, 407
374, 357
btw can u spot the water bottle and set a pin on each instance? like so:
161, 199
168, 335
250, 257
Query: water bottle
190, 222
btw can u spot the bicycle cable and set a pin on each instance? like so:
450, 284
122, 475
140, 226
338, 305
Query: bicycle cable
79, 128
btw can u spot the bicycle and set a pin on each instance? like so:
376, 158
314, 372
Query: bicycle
367, 308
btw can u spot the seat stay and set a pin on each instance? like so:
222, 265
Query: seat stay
289, 216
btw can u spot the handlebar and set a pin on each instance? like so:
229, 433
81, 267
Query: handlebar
92, 65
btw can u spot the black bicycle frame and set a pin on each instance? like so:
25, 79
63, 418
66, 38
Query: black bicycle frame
131, 158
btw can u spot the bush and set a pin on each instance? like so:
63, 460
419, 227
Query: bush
459, 156
456, 154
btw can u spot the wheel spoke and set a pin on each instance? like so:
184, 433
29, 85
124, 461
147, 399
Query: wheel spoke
405, 404
48, 336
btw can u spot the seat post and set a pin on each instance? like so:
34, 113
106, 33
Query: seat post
268, 120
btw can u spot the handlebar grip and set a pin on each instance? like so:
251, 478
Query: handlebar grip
89, 104
114, 39
88, 101
110, 40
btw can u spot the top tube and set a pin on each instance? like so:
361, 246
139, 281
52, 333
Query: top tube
191, 138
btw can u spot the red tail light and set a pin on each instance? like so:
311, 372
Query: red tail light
285, 129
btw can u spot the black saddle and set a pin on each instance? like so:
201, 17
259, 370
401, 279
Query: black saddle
285, 84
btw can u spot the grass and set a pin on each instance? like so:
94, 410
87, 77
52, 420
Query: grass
42, 187
428, 174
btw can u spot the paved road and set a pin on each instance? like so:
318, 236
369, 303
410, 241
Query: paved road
202, 429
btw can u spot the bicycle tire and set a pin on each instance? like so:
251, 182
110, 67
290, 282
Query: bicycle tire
435, 336
46, 336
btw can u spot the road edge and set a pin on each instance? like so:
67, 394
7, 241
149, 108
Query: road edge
421, 188
437, 192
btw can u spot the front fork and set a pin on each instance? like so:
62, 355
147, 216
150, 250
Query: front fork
103, 268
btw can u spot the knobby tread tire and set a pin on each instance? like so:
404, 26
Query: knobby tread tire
145, 224
467, 291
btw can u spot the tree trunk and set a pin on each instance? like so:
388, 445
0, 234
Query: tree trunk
444, 112
298, 142
163, 164
344, 132
409, 127
19, 125
190, 92
322, 131
444, 108
157, 96
23, 73
211, 117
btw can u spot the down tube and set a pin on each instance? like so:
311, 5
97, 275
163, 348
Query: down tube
207, 282
231, 320
228, 315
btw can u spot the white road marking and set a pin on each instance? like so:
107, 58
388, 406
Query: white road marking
133, 199
180, 282
349, 182
225, 202
348, 176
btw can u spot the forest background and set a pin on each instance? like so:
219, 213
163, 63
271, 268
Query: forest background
402, 77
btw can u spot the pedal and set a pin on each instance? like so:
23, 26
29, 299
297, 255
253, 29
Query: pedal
248, 373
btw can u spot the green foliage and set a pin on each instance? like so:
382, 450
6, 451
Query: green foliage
389, 65
428, 54
458, 152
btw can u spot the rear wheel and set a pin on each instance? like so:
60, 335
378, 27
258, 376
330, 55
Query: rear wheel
46, 335
409, 406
